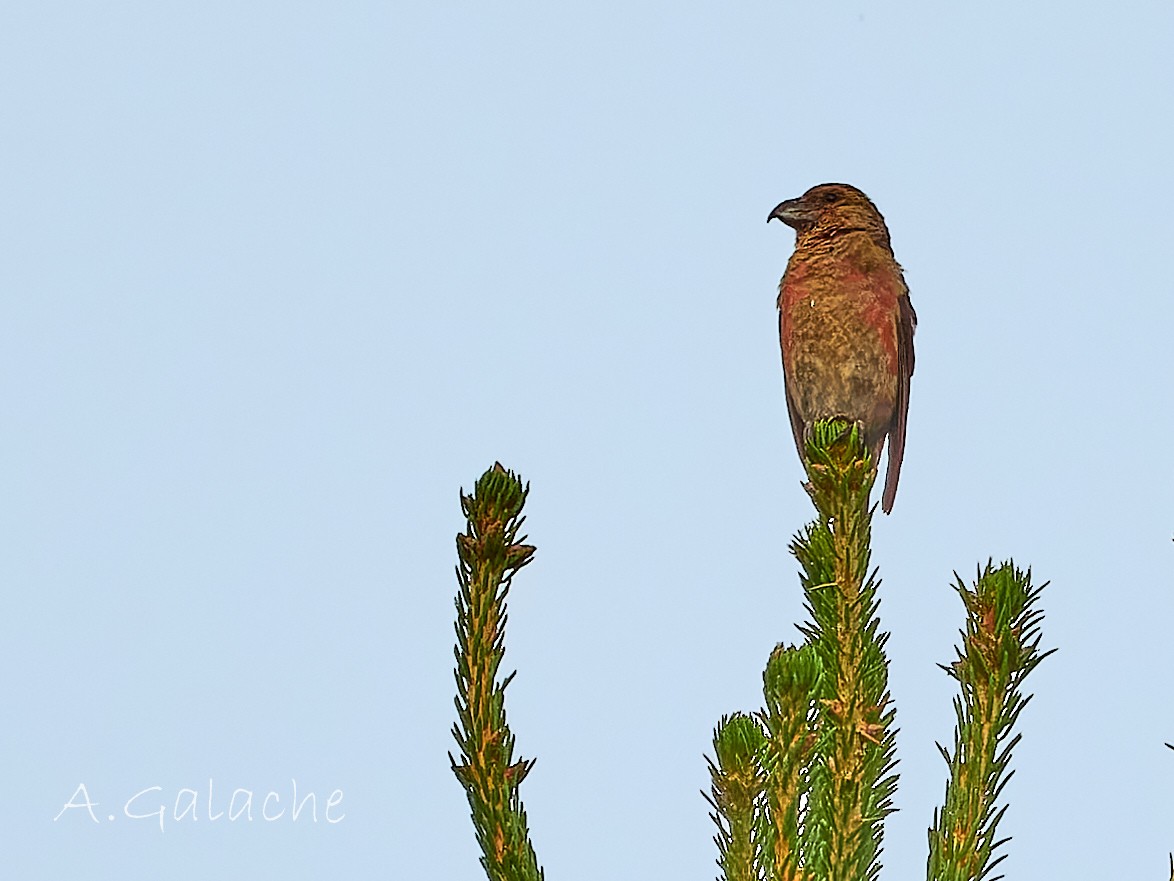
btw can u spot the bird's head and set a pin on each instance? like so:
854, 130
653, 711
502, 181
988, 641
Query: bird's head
829, 210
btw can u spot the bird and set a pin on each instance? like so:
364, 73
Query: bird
845, 323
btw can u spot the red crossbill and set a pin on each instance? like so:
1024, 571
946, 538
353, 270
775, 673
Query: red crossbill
845, 322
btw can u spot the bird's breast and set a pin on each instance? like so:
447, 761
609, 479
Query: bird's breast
838, 316
852, 293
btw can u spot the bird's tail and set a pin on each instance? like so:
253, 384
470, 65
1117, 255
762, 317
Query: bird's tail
893, 472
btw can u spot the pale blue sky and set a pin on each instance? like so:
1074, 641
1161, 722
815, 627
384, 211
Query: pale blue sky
279, 278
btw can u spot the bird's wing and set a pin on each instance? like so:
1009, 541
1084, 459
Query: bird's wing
906, 322
792, 410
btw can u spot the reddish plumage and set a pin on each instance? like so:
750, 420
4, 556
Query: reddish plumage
845, 322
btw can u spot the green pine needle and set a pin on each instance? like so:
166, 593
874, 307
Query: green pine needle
1000, 647
490, 553
851, 777
791, 682
736, 795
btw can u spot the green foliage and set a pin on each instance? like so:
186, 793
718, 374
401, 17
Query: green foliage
790, 683
490, 552
736, 793
851, 780
825, 771
826, 763
800, 790
1000, 646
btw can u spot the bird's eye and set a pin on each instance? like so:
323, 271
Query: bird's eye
831, 198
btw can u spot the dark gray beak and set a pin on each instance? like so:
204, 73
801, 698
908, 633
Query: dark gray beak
795, 213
